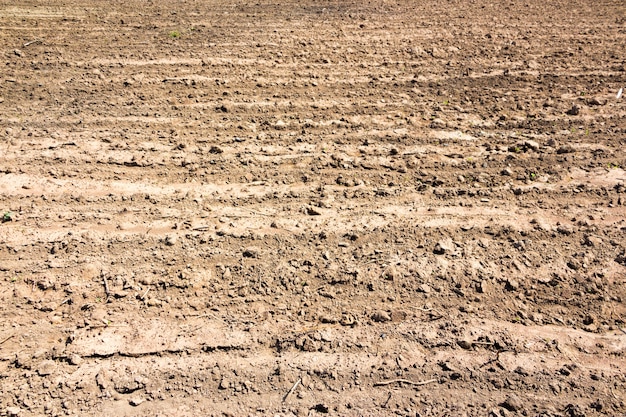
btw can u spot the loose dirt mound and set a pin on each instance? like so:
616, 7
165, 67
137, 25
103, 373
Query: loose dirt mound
345, 208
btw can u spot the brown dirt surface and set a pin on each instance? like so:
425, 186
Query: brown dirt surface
312, 208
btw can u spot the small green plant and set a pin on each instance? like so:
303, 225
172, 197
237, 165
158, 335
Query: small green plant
174, 34
7, 216
533, 176
611, 165
517, 149
446, 102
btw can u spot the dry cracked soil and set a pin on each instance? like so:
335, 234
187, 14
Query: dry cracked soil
347, 208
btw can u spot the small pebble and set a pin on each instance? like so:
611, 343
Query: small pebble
513, 403
135, 401
381, 316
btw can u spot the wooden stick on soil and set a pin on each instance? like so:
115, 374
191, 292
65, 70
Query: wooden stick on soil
405, 381
201, 228
7, 339
31, 42
106, 285
292, 389
143, 297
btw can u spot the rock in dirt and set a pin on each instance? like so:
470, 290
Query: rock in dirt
126, 384
13, 411
594, 101
381, 316
444, 246
224, 383
398, 315
309, 345
593, 241
75, 360
135, 401
574, 111
216, 149
46, 367
531, 144
513, 403
251, 252
565, 229
465, 343
448, 367
574, 411
512, 284
171, 240
497, 383
348, 320
597, 405
574, 264
565, 371
312, 211
328, 319
391, 274
565, 149
321, 408
227, 274
437, 124
438, 53
525, 146
425, 288
102, 379
154, 302
483, 287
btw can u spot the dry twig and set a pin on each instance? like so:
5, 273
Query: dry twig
32, 42
201, 228
106, 285
7, 339
405, 381
483, 343
612, 393
293, 388
105, 326
143, 297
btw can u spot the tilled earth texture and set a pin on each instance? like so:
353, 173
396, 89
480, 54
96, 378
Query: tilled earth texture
348, 208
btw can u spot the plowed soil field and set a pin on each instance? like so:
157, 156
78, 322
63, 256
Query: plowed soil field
215, 208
